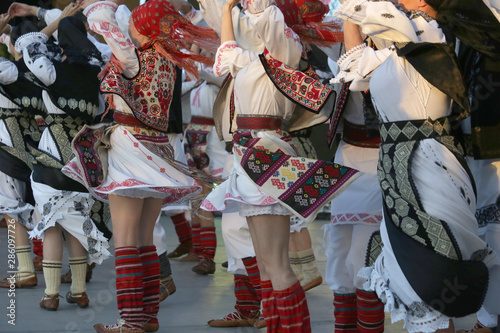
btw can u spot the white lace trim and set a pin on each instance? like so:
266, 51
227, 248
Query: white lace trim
29, 38
252, 210
355, 52
423, 319
348, 64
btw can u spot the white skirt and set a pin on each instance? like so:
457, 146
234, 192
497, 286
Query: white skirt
239, 194
361, 202
134, 171
71, 210
12, 192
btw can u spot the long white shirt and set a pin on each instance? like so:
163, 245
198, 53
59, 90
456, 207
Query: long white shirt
254, 91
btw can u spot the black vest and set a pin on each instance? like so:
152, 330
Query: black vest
26, 91
76, 90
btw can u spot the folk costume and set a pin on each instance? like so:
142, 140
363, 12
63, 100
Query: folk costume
257, 124
18, 131
429, 232
356, 216
268, 178
203, 148
60, 199
133, 158
65, 205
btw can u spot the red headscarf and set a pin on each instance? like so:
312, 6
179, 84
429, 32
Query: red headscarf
170, 32
305, 18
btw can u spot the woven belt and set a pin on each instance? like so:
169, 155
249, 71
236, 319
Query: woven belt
414, 130
357, 135
202, 121
256, 123
126, 119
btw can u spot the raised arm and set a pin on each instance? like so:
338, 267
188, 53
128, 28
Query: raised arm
71, 9
101, 16
227, 32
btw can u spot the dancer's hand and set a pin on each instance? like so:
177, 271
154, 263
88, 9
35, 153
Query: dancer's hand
86, 3
230, 4
4, 18
71, 9
18, 9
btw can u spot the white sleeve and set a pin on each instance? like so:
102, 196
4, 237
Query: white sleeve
280, 40
381, 19
50, 15
245, 34
195, 17
494, 6
36, 59
101, 19
358, 64
230, 58
8, 71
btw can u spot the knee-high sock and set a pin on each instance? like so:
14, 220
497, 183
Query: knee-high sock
208, 241
52, 274
292, 309
78, 267
269, 310
296, 265
182, 227
151, 281
253, 274
247, 302
25, 265
309, 266
345, 312
370, 312
129, 285
195, 230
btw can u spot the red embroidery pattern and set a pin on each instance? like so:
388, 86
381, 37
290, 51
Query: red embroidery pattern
218, 63
149, 94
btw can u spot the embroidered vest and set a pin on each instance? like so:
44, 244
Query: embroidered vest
149, 93
76, 90
26, 92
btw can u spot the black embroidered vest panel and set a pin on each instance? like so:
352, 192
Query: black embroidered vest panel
76, 90
26, 92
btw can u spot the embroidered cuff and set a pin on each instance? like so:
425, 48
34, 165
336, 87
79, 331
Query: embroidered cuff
29, 38
98, 5
40, 14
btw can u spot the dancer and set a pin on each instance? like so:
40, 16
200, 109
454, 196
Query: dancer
356, 216
429, 231
207, 153
261, 145
65, 205
140, 174
18, 130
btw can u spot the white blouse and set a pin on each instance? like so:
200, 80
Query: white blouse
101, 17
254, 91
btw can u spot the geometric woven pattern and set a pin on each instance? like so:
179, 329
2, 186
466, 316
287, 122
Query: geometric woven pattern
399, 195
301, 184
488, 215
